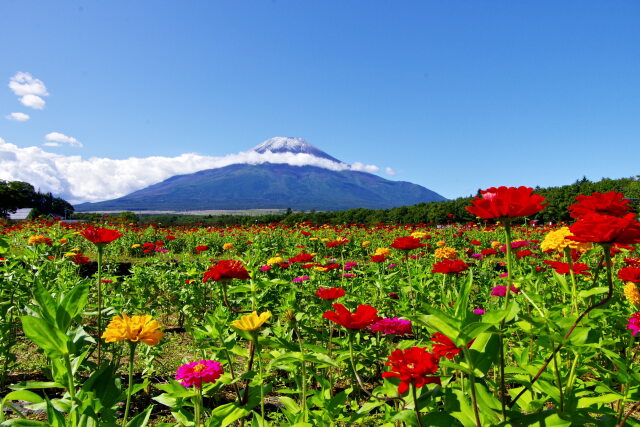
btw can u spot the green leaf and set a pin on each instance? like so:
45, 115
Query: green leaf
290, 404
227, 414
72, 305
440, 321
46, 336
55, 418
141, 419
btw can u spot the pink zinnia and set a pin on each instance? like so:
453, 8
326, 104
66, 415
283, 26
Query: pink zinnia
196, 373
392, 326
501, 290
634, 323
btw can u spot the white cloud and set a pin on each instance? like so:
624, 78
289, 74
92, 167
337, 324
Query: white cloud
18, 117
55, 139
94, 179
33, 101
390, 171
29, 89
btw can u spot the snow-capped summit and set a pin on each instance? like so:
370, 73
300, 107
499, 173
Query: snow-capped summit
284, 144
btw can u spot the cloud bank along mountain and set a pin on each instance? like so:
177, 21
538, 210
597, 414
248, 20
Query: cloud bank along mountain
94, 179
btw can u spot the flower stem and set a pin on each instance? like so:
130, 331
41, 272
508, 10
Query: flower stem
415, 404
472, 385
198, 406
503, 388
72, 390
100, 249
132, 349
252, 351
605, 301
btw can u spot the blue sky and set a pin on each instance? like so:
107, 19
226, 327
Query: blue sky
453, 95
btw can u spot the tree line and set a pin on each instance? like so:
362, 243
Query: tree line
450, 211
15, 195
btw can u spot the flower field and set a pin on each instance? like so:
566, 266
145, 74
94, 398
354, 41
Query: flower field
494, 322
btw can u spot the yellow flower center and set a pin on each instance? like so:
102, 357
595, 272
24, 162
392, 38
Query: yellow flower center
198, 368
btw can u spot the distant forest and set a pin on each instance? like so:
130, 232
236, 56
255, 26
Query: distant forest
15, 195
559, 199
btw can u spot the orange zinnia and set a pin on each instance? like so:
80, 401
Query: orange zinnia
133, 329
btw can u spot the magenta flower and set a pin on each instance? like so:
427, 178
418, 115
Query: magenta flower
392, 326
478, 311
501, 290
634, 323
300, 279
349, 265
196, 373
265, 268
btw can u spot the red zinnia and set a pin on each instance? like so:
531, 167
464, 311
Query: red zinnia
506, 202
79, 258
330, 293
100, 236
443, 346
202, 248
611, 203
377, 258
302, 258
364, 316
226, 269
598, 228
563, 267
414, 365
448, 266
629, 274
407, 243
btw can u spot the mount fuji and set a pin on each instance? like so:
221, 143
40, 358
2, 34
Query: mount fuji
283, 172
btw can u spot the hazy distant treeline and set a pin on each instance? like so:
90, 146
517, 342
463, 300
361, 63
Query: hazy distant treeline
559, 199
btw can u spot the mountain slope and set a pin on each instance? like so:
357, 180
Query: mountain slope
267, 185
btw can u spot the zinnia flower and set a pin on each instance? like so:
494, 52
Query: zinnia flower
226, 269
443, 346
196, 373
227, 246
598, 228
377, 258
634, 323
79, 258
611, 203
632, 294
392, 326
251, 322
364, 316
100, 236
330, 293
445, 253
38, 240
407, 243
383, 251
133, 329
563, 267
629, 274
448, 266
506, 202
274, 260
501, 290
414, 366
302, 258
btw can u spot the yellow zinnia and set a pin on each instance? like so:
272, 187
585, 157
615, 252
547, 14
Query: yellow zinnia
419, 234
251, 322
366, 243
632, 294
383, 251
275, 260
133, 329
37, 240
495, 244
446, 253
557, 240
227, 246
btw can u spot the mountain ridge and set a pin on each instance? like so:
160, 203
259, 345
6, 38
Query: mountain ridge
272, 186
